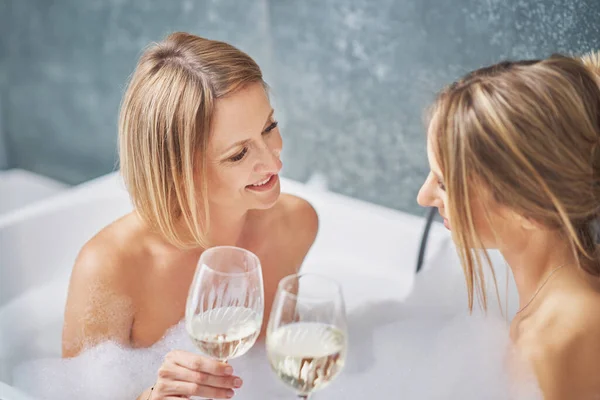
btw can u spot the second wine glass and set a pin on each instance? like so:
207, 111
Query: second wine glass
307, 333
225, 304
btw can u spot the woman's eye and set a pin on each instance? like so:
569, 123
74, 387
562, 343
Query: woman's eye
239, 156
271, 127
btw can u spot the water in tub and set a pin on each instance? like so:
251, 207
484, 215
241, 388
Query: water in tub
423, 347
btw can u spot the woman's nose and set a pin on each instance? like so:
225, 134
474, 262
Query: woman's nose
270, 161
426, 196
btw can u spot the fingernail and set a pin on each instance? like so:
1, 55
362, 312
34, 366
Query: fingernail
237, 382
228, 370
230, 394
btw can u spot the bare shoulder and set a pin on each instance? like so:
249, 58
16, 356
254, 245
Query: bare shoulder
566, 353
299, 215
292, 224
107, 256
101, 289
297, 220
297, 226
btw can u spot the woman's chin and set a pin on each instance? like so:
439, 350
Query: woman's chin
265, 200
447, 224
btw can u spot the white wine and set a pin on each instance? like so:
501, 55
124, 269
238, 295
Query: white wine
225, 333
306, 355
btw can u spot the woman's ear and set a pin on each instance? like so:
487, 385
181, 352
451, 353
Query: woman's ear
527, 223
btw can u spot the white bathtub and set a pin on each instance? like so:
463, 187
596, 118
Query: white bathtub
357, 242
19, 188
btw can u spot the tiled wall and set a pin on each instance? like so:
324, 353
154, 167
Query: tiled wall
350, 78
3, 90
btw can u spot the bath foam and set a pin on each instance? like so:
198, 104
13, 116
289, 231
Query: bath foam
391, 355
111, 371
422, 347
106, 371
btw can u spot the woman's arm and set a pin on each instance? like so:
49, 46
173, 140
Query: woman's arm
99, 303
100, 307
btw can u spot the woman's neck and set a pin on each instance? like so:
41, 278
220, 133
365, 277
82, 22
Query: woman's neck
226, 226
533, 261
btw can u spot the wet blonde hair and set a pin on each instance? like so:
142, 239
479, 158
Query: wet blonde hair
529, 132
164, 127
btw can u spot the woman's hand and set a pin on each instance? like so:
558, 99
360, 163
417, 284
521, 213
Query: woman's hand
185, 374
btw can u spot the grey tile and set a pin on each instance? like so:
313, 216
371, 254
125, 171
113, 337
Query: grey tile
350, 78
4, 31
354, 77
70, 60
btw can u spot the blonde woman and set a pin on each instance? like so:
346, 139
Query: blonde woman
514, 152
199, 153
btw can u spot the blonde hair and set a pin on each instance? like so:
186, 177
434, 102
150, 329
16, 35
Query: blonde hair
528, 131
164, 126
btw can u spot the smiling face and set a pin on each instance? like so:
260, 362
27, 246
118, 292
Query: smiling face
243, 151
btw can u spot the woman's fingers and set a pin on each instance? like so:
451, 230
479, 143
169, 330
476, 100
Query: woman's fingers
179, 373
183, 375
199, 363
188, 389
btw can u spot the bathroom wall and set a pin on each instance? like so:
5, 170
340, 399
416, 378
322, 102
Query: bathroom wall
69, 61
3, 88
355, 76
350, 78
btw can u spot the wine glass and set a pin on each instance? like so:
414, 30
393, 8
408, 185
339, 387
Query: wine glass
225, 304
307, 332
